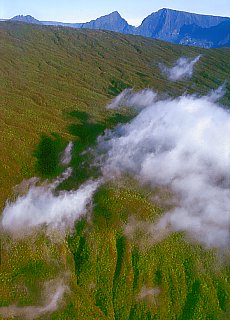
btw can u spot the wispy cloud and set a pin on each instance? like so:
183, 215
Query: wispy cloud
67, 154
129, 98
148, 293
54, 292
43, 205
182, 69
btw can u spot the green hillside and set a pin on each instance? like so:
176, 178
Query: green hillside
54, 85
47, 73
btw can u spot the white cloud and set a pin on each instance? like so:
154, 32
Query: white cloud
182, 143
67, 154
128, 98
182, 69
43, 206
33, 312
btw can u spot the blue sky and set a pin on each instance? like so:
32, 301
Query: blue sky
134, 11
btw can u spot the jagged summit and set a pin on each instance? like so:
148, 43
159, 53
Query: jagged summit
114, 13
165, 24
26, 19
112, 21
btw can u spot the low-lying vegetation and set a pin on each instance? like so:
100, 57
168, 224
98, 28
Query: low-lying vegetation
55, 84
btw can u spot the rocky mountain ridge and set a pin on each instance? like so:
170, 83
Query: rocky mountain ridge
166, 24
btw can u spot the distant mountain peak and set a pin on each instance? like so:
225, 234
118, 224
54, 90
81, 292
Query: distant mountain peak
115, 13
165, 24
26, 19
21, 16
112, 21
164, 10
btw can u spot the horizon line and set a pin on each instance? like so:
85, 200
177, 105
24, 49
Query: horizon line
115, 11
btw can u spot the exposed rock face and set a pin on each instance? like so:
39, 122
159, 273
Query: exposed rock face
166, 24
213, 37
112, 21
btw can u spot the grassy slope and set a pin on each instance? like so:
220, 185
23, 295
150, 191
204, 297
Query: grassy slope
45, 73
59, 80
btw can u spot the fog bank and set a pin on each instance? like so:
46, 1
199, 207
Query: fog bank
183, 144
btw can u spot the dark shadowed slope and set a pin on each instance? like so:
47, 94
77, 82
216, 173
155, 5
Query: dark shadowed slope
165, 24
213, 37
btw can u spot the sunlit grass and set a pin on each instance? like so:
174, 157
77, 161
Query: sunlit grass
55, 84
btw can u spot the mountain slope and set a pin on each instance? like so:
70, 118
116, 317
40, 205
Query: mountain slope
55, 84
112, 22
212, 37
165, 24
64, 68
